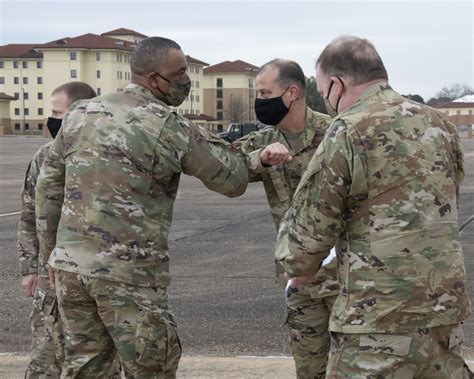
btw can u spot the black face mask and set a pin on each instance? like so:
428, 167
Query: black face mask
271, 111
54, 124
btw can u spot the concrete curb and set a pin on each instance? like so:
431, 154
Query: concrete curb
13, 365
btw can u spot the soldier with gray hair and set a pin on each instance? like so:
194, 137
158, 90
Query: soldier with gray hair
383, 185
105, 203
294, 128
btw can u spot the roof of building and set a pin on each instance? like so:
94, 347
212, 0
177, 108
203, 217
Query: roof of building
4, 96
465, 99
202, 116
190, 59
16, 50
237, 66
124, 32
454, 104
89, 41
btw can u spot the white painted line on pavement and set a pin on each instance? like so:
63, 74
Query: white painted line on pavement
264, 357
10, 214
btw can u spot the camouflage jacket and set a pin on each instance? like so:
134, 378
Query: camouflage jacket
385, 179
116, 162
280, 182
27, 239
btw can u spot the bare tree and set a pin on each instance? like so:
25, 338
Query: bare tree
235, 110
455, 91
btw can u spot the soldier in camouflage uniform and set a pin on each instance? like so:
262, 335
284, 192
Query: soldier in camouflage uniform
47, 337
300, 130
117, 162
384, 184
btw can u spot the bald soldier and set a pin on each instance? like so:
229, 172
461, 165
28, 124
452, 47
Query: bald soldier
117, 160
281, 103
46, 354
384, 185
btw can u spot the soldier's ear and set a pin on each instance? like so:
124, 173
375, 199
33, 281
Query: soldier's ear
294, 92
152, 79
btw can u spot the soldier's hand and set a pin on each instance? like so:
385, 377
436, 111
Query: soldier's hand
275, 154
28, 284
52, 277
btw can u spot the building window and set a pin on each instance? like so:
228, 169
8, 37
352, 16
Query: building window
197, 83
97, 56
2, 65
192, 83
219, 93
40, 111
470, 112
98, 91
458, 113
16, 95
25, 96
2, 80
15, 64
27, 126
17, 126
73, 73
16, 80
39, 80
25, 80
219, 83
39, 64
73, 55
197, 98
40, 95
40, 126
26, 112
25, 64
17, 111
98, 74
119, 57
219, 104
220, 115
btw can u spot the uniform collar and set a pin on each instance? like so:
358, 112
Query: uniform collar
305, 138
144, 92
369, 92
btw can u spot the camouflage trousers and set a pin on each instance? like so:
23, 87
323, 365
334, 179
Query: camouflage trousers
47, 345
101, 318
433, 353
307, 321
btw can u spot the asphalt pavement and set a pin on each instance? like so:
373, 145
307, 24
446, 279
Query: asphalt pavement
222, 291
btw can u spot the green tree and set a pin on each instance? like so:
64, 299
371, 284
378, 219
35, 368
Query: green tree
416, 98
313, 99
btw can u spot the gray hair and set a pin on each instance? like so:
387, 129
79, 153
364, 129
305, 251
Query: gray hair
353, 57
289, 72
150, 53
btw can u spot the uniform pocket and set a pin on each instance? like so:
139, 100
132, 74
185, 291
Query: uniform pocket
385, 344
38, 300
157, 343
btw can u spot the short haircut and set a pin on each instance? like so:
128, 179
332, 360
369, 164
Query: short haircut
289, 72
352, 57
75, 91
149, 54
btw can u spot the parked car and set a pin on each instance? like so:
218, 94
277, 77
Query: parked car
238, 130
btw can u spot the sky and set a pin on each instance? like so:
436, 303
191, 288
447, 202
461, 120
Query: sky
425, 45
